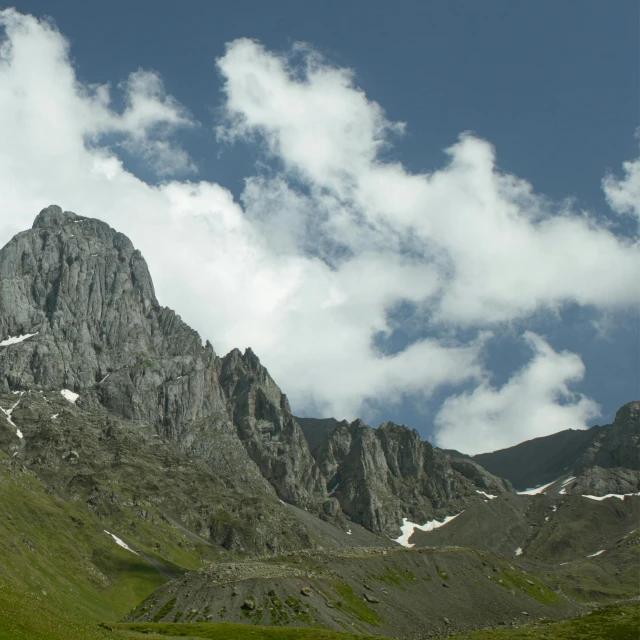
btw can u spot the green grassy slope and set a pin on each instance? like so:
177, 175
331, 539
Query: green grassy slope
615, 623
227, 630
58, 552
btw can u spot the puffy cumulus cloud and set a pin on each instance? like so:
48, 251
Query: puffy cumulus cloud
309, 265
623, 194
535, 402
501, 250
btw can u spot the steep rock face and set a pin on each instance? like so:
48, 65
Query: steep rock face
611, 464
143, 486
381, 475
268, 430
78, 311
617, 445
84, 295
87, 295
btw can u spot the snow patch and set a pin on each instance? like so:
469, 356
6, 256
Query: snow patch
103, 379
17, 339
554, 508
282, 502
597, 553
536, 491
55, 416
408, 528
518, 551
69, 395
19, 434
8, 412
349, 532
334, 489
117, 540
486, 495
568, 480
620, 496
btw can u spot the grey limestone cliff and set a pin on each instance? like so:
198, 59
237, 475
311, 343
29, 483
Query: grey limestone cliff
268, 430
611, 463
85, 296
381, 475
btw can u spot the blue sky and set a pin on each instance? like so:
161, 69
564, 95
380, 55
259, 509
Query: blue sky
551, 87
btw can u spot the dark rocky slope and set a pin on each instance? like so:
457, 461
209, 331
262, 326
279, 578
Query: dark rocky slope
86, 295
398, 593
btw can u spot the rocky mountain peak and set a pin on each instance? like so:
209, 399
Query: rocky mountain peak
54, 216
80, 301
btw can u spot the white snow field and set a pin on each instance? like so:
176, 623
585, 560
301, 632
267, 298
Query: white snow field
70, 395
117, 540
15, 340
409, 527
536, 491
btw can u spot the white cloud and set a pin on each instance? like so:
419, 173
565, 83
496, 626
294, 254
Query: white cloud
506, 254
536, 401
307, 266
623, 195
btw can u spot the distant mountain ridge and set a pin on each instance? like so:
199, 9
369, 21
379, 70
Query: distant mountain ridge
605, 459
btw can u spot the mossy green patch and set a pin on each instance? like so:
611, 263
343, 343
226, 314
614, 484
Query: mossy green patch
409, 576
390, 577
277, 612
60, 548
165, 609
355, 605
25, 616
396, 578
534, 589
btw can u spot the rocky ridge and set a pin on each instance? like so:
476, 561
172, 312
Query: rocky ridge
603, 459
78, 311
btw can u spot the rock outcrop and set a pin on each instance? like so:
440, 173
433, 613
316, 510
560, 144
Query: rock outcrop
381, 475
268, 430
611, 464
